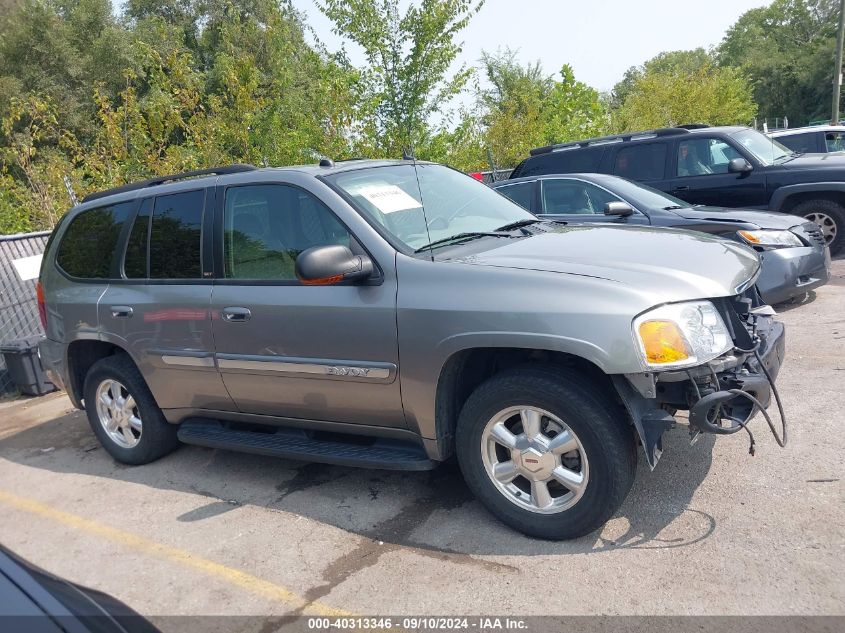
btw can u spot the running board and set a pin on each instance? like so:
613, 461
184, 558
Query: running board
290, 443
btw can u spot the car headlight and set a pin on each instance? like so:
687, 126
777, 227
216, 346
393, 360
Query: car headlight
770, 238
681, 335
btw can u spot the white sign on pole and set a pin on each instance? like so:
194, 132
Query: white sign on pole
27, 267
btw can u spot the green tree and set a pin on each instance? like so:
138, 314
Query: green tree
683, 87
525, 108
59, 49
787, 49
673, 62
409, 55
34, 158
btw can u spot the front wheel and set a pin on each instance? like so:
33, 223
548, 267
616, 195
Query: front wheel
830, 217
544, 451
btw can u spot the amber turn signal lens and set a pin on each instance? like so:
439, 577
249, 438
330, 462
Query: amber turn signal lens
322, 281
749, 237
663, 342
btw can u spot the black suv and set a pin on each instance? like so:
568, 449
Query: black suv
719, 166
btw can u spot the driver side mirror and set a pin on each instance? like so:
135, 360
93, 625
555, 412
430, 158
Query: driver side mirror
739, 166
619, 209
326, 265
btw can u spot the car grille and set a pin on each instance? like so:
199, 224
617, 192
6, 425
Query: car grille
814, 233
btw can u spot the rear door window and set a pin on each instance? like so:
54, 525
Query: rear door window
522, 193
175, 236
88, 246
642, 161
136, 257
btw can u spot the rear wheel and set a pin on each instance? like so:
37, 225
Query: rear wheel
123, 413
830, 216
545, 452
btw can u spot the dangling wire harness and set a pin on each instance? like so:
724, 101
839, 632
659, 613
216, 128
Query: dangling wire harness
737, 424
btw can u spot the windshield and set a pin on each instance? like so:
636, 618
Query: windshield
644, 196
454, 202
765, 149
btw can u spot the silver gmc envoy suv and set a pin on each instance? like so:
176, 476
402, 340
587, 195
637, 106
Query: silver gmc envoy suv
393, 314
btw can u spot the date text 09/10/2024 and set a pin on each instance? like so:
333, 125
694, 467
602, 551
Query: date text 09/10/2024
478, 623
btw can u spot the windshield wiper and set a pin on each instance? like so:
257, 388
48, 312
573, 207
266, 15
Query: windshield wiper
518, 224
672, 207
461, 236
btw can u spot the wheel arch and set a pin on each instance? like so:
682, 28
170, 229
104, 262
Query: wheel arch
81, 355
465, 369
788, 197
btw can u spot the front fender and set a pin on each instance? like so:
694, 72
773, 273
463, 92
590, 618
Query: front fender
782, 194
525, 340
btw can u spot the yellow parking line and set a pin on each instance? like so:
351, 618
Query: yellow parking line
231, 575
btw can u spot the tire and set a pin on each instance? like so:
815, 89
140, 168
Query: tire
830, 216
601, 431
140, 434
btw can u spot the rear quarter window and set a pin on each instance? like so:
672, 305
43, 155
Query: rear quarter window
566, 161
835, 141
87, 248
803, 143
521, 193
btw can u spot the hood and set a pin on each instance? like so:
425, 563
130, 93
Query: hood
834, 160
762, 219
667, 264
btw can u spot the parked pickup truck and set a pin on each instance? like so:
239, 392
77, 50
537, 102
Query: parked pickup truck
393, 314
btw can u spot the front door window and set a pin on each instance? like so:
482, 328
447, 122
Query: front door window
703, 156
266, 227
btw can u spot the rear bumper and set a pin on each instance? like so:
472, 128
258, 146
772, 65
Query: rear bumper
790, 272
53, 359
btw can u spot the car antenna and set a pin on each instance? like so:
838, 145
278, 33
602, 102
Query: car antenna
408, 154
492, 164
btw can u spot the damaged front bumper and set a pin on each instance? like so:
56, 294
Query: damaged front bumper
708, 391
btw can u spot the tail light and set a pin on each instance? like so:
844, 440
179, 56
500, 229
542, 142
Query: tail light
477, 175
42, 305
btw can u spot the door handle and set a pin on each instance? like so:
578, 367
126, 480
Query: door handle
236, 315
681, 188
121, 311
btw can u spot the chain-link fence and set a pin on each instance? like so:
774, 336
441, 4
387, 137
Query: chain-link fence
18, 304
489, 177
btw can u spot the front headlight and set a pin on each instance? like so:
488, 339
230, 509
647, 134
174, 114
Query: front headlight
770, 238
681, 335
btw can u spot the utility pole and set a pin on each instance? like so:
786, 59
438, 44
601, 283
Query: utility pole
837, 75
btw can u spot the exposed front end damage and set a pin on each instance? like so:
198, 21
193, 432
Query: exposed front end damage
716, 393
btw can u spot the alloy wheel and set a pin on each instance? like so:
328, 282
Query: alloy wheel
534, 459
118, 413
826, 223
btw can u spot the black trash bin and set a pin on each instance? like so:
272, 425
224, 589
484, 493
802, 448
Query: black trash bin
24, 366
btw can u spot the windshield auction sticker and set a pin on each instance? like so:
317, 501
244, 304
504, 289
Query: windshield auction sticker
389, 198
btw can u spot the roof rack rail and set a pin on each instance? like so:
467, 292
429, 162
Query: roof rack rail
613, 138
160, 180
693, 126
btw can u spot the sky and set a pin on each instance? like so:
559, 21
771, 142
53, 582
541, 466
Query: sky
600, 39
